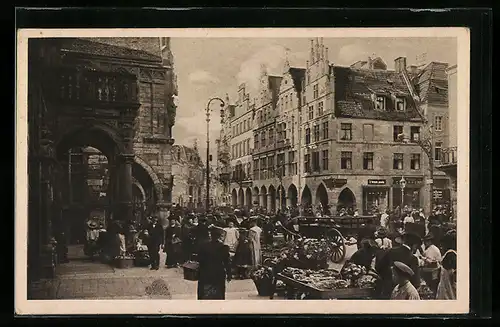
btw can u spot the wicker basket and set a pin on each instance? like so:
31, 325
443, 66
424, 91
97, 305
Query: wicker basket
264, 286
190, 270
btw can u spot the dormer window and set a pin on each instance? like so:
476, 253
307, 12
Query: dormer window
380, 102
400, 104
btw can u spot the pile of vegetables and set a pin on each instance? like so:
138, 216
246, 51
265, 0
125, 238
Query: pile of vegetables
328, 279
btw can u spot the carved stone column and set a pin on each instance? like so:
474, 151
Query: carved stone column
126, 203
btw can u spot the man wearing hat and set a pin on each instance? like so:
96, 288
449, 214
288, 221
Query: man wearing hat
432, 254
404, 290
404, 254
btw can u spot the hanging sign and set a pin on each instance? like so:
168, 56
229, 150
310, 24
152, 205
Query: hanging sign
377, 182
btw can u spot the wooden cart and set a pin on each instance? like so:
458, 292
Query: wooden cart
294, 290
337, 230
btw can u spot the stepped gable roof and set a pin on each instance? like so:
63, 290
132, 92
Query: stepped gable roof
432, 84
354, 89
85, 46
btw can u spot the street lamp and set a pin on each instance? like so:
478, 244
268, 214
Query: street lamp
402, 183
280, 177
427, 146
207, 201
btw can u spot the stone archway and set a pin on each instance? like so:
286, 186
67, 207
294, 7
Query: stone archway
306, 198
292, 195
248, 197
241, 198
234, 197
158, 187
118, 202
255, 194
346, 199
263, 197
321, 196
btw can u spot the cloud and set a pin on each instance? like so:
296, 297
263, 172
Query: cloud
202, 77
351, 53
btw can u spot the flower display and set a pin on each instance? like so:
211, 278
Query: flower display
262, 273
352, 271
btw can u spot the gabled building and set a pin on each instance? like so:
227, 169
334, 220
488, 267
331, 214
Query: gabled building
188, 171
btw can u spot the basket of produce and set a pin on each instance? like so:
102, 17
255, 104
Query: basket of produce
124, 261
141, 259
425, 292
190, 270
263, 278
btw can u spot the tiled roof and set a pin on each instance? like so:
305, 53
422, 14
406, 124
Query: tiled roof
101, 49
432, 84
354, 89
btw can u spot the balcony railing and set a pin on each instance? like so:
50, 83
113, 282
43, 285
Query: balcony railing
88, 87
449, 156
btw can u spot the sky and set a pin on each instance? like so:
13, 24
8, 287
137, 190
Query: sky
209, 67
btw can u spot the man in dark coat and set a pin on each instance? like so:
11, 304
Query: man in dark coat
214, 268
404, 254
156, 238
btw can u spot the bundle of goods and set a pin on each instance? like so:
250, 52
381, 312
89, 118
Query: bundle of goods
190, 270
124, 261
263, 278
141, 258
352, 271
425, 292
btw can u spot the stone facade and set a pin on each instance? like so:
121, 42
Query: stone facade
336, 135
189, 177
113, 94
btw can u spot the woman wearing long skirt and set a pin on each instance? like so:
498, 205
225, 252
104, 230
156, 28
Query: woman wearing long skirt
172, 244
254, 236
214, 268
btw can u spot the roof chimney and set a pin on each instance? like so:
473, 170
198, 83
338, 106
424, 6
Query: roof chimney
400, 64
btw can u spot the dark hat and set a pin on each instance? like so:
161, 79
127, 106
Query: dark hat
428, 237
412, 238
92, 224
401, 267
381, 233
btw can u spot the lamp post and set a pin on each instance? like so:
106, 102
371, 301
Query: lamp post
402, 183
427, 146
207, 200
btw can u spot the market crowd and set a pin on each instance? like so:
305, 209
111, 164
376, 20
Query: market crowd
403, 247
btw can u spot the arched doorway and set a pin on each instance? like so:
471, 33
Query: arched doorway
306, 198
292, 195
94, 181
255, 195
139, 195
322, 198
234, 198
272, 199
281, 198
248, 198
241, 198
263, 197
346, 200
143, 179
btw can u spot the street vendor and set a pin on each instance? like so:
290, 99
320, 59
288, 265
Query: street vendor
365, 255
404, 290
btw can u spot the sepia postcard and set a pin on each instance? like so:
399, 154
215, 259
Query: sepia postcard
242, 171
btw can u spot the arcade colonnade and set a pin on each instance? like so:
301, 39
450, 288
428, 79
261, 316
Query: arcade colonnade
273, 198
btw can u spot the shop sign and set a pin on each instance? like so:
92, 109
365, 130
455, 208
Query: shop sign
94, 182
410, 181
377, 182
438, 194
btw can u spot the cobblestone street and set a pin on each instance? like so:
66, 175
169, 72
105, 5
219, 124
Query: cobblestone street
84, 279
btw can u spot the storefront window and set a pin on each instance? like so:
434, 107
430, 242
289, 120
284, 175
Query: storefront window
411, 198
375, 200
